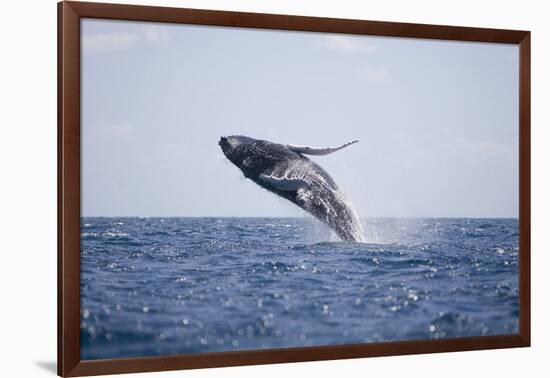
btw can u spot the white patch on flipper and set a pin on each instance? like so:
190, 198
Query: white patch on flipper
319, 151
283, 183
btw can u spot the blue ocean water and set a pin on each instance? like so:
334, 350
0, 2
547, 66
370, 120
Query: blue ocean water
153, 286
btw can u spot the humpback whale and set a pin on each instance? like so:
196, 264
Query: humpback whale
285, 171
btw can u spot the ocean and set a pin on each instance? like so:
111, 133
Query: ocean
161, 286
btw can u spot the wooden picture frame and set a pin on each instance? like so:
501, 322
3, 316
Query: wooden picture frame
69, 61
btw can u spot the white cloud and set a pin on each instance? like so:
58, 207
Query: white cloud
374, 74
480, 150
98, 43
106, 42
346, 44
155, 33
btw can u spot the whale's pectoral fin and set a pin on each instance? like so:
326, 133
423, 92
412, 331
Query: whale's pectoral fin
308, 150
285, 184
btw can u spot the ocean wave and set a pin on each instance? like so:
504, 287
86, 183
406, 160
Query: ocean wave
232, 284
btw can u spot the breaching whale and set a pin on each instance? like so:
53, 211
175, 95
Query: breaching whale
287, 172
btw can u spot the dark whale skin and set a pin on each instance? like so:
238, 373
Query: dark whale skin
319, 195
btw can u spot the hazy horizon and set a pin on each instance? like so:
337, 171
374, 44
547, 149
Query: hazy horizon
437, 120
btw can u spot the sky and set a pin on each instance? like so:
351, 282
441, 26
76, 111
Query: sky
437, 121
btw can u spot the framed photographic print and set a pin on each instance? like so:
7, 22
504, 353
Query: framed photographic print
239, 188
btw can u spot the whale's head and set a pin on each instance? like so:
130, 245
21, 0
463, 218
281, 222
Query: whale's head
233, 146
250, 155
